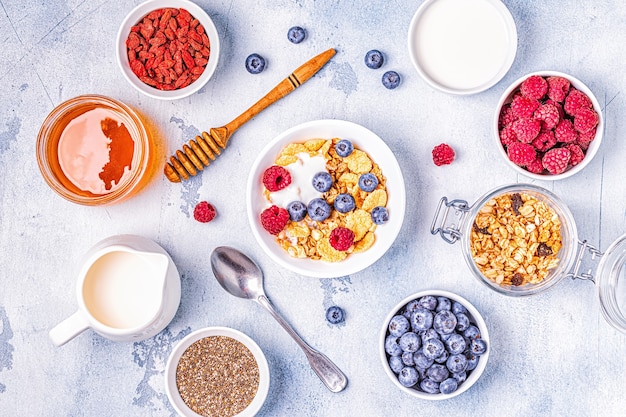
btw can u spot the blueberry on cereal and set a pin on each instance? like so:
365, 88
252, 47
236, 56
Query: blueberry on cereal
344, 203
297, 211
322, 181
344, 148
318, 209
368, 182
380, 215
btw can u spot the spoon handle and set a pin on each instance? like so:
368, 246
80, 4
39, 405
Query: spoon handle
326, 370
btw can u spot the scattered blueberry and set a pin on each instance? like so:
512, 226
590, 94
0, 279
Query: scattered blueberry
392, 347
344, 203
335, 315
438, 372
374, 59
463, 322
448, 386
391, 80
444, 322
455, 344
396, 364
457, 363
408, 358
443, 303
421, 319
408, 376
433, 348
296, 210
421, 361
255, 63
344, 148
368, 182
380, 215
429, 386
296, 34
318, 209
478, 346
322, 181
398, 325
410, 342
428, 302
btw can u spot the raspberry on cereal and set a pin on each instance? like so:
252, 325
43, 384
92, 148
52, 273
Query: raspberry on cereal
577, 154
341, 238
507, 135
585, 120
524, 106
526, 129
274, 219
548, 114
521, 154
276, 178
556, 160
204, 212
546, 140
536, 166
558, 87
534, 87
565, 132
443, 154
507, 116
575, 101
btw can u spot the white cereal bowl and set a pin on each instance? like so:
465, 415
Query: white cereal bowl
171, 388
462, 47
365, 140
474, 317
136, 15
507, 97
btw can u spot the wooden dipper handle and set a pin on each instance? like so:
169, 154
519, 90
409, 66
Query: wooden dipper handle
200, 152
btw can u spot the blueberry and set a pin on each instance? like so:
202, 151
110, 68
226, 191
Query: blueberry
457, 363
448, 386
472, 332
410, 308
455, 344
437, 372
444, 322
392, 347
443, 357
344, 203
391, 79
460, 377
429, 386
421, 319
478, 346
410, 342
428, 302
462, 322
472, 361
297, 211
368, 182
407, 358
408, 376
433, 348
344, 148
374, 59
443, 303
380, 215
335, 315
429, 334
296, 34
255, 63
395, 363
322, 181
398, 325
458, 308
421, 361
318, 209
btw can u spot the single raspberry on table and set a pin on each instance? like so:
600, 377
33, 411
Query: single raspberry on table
443, 154
536, 166
507, 135
341, 238
585, 120
204, 212
565, 132
534, 87
548, 114
507, 116
546, 140
524, 107
558, 87
575, 101
275, 178
274, 219
556, 160
577, 154
521, 154
526, 129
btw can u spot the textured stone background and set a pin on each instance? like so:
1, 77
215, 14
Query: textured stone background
552, 354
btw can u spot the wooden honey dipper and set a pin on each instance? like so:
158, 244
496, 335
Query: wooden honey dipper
199, 153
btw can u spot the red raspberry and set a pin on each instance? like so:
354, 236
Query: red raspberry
556, 160
546, 140
575, 101
507, 135
506, 116
521, 153
549, 115
565, 132
536, 167
577, 154
534, 87
526, 129
524, 106
341, 238
276, 178
204, 212
558, 87
585, 120
558, 106
584, 139
274, 219
443, 154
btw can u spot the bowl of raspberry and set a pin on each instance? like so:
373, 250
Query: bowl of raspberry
548, 125
326, 198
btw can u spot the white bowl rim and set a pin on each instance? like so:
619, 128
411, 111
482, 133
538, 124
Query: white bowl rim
170, 369
474, 375
139, 12
593, 146
385, 234
506, 65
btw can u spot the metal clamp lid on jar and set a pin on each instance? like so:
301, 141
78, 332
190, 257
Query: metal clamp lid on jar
453, 221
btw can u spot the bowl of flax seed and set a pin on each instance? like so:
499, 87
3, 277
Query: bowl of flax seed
218, 372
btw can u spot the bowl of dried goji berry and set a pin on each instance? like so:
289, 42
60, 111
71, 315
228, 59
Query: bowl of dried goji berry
168, 49
548, 125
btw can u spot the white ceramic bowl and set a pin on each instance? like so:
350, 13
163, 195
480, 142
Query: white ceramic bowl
507, 96
462, 46
136, 15
170, 369
474, 317
365, 140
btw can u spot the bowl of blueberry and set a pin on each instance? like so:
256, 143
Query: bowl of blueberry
434, 345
